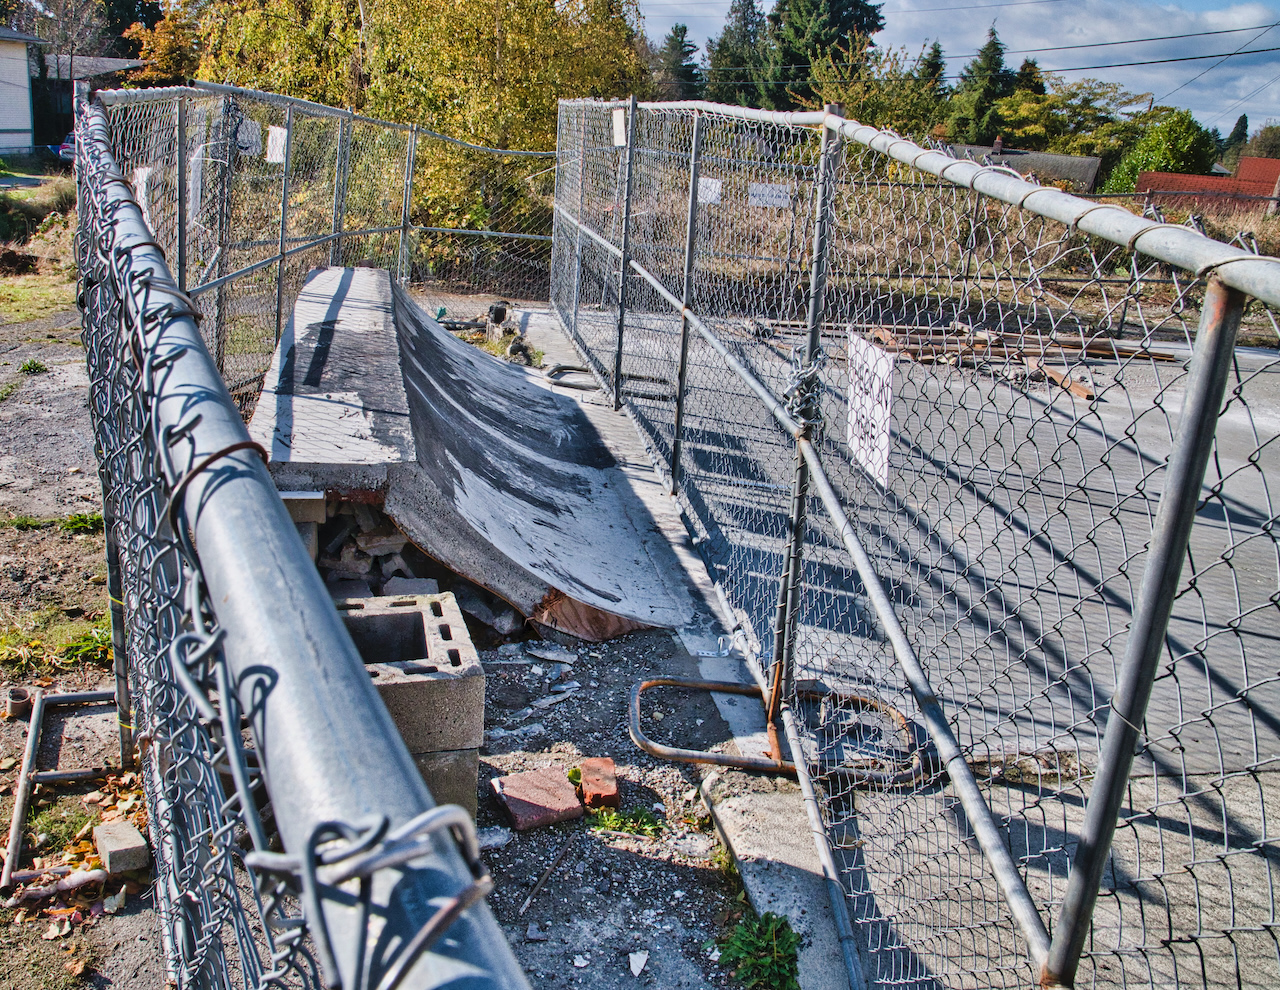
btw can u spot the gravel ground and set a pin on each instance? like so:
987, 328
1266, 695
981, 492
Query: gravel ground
610, 897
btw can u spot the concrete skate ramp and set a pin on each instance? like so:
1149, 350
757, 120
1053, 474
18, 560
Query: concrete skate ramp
478, 461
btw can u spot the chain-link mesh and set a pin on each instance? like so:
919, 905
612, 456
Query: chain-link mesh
244, 193
998, 399
469, 222
222, 926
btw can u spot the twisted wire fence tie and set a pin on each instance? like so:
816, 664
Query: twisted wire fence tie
1132, 242
1213, 266
175, 499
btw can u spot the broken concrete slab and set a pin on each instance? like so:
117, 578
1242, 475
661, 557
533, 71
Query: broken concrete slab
410, 586
537, 797
120, 846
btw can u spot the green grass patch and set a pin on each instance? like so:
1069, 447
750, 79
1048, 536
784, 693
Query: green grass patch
33, 367
33, 297
8, 388
81, 522
762, 953
61, 822
637, 821
24, 210
26, 523
53, 643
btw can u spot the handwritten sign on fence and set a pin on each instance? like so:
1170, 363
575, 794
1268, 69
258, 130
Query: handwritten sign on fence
870, 406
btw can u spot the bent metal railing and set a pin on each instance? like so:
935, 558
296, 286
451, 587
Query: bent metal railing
991, 454
295, 843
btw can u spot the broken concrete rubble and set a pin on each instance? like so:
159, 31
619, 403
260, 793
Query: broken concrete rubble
537, 797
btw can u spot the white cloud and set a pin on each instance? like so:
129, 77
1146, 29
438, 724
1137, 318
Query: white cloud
1079, 22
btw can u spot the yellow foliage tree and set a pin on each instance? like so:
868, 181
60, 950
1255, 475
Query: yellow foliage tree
169, 49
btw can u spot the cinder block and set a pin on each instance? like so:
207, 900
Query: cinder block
537, 797
121, 847
599, 782
418, 651
452, 776
304, 507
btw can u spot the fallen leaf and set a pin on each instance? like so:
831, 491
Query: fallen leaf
57, 929
8, 763
114, 902
43, 681
76, 966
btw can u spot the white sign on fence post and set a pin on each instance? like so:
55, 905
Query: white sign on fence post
870, 406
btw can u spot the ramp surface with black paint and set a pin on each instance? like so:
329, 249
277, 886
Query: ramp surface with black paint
478, 461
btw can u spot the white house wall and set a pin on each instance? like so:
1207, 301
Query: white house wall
15, 96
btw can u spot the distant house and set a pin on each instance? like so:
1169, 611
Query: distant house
15, 89
1078, 171
1254, 177
52, 91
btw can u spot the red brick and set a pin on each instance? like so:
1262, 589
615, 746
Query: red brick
599, 782
538, 797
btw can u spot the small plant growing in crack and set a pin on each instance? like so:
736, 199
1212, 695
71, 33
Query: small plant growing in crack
762, 953
32, 367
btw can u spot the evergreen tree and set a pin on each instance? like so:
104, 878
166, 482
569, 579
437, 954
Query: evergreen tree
1029, 79
1240, 133
932, 69
735, 57
678, 76
802, 32
974, 118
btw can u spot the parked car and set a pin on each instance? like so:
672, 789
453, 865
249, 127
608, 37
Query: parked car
67, 150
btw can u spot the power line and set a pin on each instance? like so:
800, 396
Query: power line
1216, 64
1243, 99
1077, 68
1130, 41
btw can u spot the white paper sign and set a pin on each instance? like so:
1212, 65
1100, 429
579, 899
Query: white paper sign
870, 406
276, 139
141, 176
709, 191
768, 194
619, 128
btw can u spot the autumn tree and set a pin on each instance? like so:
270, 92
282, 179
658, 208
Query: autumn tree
735, 57
169, 49
804, 32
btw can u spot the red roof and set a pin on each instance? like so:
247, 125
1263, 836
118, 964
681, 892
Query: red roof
1191, 184
1259, 170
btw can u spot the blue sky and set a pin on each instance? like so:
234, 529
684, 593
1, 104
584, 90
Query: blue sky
1242, 84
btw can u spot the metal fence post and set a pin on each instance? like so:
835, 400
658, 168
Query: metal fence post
340, 173
577, 247
1211, 362
119, 654
284, 216
180, 138
690, 249
806, 407
402, 260
228, 171
625, 261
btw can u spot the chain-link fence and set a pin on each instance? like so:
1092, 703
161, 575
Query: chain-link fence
291, 847
925, 417
275, 187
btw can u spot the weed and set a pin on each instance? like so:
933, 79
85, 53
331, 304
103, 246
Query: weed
25, 523
32, 367
60, 824
722, 861
7, 389
638, 821
56, 646
82, 522
762, 953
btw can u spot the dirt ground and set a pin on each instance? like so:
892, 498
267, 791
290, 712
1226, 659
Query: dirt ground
611, 896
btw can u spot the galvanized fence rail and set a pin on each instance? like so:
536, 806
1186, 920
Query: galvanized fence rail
986, 478
295, 843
